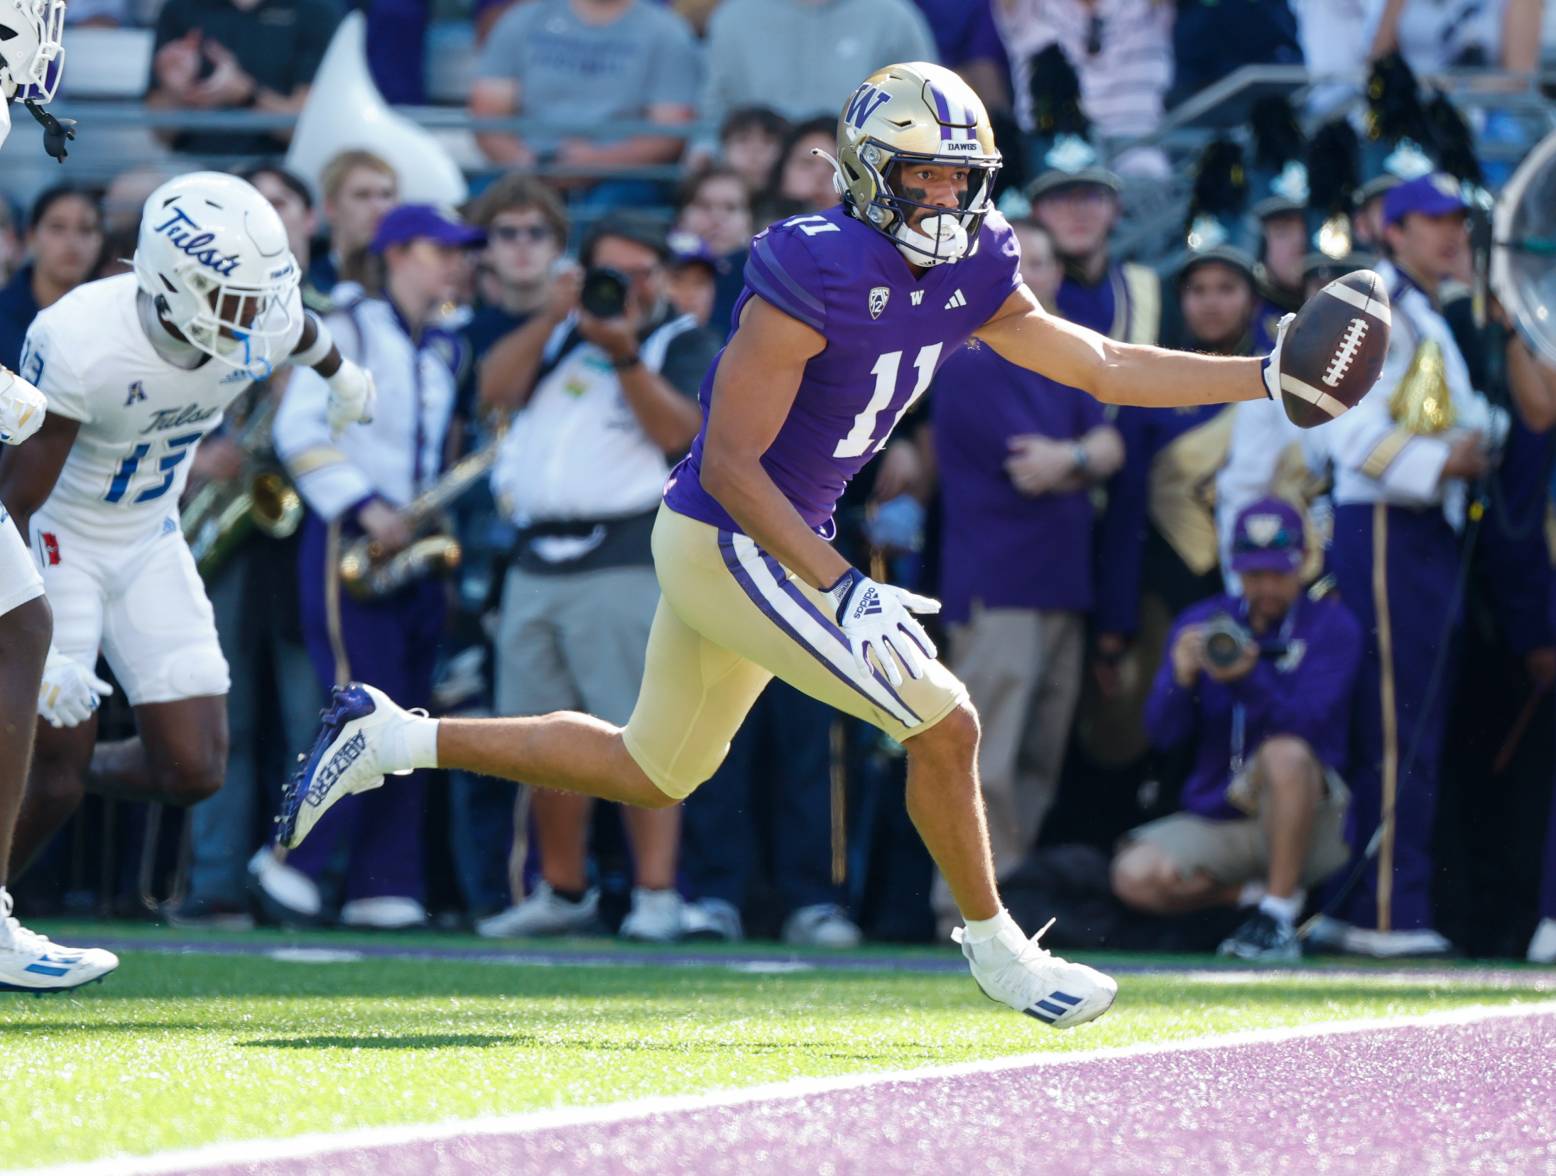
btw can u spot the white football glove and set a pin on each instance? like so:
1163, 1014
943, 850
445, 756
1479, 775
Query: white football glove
1271, 369
352, 396
70, 693
22, 408
878, 619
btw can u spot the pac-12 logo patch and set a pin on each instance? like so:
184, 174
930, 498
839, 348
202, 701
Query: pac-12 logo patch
878, 297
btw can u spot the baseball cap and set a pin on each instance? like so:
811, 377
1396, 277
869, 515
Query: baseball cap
1430, 195
687, 249
1268, 537
415, 222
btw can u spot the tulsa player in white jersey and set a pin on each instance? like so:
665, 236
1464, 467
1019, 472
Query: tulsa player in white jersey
136, 370
30, 53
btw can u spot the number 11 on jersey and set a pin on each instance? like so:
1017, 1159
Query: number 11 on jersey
864, 436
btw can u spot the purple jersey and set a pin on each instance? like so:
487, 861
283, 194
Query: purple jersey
886, 330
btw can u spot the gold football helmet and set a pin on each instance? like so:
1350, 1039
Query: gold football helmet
916, 113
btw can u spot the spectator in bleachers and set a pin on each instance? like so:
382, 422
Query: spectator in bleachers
1211, 39
592, 64
801, 56
356, 486
801, 179
526, 232
97, 14
237, 55
1258, 688
1017, 457
1403, 460
750, 141
359, 188
254, 596
715, 207
693, 275
397, 48
604, 378
1481, 34
1120, 49
64, 239
968, 41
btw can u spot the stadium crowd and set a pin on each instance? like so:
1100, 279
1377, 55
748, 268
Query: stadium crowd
1228, 672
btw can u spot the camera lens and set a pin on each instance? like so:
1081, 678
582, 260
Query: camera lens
604, 293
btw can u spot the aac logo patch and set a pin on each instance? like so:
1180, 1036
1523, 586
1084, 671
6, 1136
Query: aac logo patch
137, 394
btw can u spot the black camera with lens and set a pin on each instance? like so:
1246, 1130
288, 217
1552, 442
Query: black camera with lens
1225, 640
604, 292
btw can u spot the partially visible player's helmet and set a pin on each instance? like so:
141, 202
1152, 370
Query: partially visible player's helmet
907, 114
32, 56
213, 255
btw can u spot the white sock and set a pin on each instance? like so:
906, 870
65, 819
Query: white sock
1250, 894
983, 930
1283, 910
5, 910
409, 745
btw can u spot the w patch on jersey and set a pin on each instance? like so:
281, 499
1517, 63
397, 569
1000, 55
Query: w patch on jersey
878, 297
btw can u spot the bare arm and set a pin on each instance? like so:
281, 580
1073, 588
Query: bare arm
669, 419
28, 472
1113, 372
638, 151
499, 98
1533, 384
1386, 40
506, 375
327, 366
755, 387
1521, 36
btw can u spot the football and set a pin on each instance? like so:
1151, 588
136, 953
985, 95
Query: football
1335, 348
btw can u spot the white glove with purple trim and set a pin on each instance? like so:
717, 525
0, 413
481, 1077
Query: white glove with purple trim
70, 693
22, 408
352, 396
1271, 369
878, 619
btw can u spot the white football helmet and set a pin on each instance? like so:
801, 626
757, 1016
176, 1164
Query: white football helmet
908, 114
213, 255
32, 56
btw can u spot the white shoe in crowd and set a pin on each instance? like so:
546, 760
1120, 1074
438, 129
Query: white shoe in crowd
1542, 946
285, 894
543, 912
823, 924
384, 912
1014, 970
30, 962
712, 920
656, 916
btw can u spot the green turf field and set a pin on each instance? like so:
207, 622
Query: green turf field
178, 1050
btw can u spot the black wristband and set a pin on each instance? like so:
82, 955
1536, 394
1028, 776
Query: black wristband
627, 363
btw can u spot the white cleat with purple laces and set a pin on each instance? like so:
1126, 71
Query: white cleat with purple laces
1015, 971
344, 759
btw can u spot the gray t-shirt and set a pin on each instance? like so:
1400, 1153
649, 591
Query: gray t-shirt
568, 69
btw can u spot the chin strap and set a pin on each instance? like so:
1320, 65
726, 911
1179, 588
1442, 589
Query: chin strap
56, 131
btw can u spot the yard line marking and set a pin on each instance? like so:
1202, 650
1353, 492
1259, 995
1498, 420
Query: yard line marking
527, 1122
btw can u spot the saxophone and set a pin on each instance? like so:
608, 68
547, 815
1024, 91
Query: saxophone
368, 574
221, 515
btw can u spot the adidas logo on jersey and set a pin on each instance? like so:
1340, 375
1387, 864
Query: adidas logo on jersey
956, 300
917, 296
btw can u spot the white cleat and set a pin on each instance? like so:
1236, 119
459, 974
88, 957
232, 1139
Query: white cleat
1015, 971
657, 916
543, 912
29, 962
342, 761
1542, 945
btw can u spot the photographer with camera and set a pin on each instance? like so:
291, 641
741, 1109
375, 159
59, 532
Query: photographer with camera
602, 384
1260, 686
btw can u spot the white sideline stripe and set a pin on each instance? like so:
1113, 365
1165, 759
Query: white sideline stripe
1378, 310
528, 1122
1314, 396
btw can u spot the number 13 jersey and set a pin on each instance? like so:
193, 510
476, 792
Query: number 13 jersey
887, 332
141, 416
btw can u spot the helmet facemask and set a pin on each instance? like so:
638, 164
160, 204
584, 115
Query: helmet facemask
36, 28
239, 325
943, 235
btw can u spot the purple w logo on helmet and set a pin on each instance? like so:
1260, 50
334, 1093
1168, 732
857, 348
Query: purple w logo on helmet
865, 102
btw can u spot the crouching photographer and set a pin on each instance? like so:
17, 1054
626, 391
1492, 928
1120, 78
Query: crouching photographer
1258, 687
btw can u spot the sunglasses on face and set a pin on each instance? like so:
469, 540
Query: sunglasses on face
534, 233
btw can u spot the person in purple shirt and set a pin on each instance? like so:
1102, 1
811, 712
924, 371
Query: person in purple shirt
1017, 455
847, 316
1260, 687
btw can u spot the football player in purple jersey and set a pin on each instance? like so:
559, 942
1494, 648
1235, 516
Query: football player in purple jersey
846, 315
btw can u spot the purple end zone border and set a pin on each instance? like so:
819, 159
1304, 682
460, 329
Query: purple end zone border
1473, 1097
